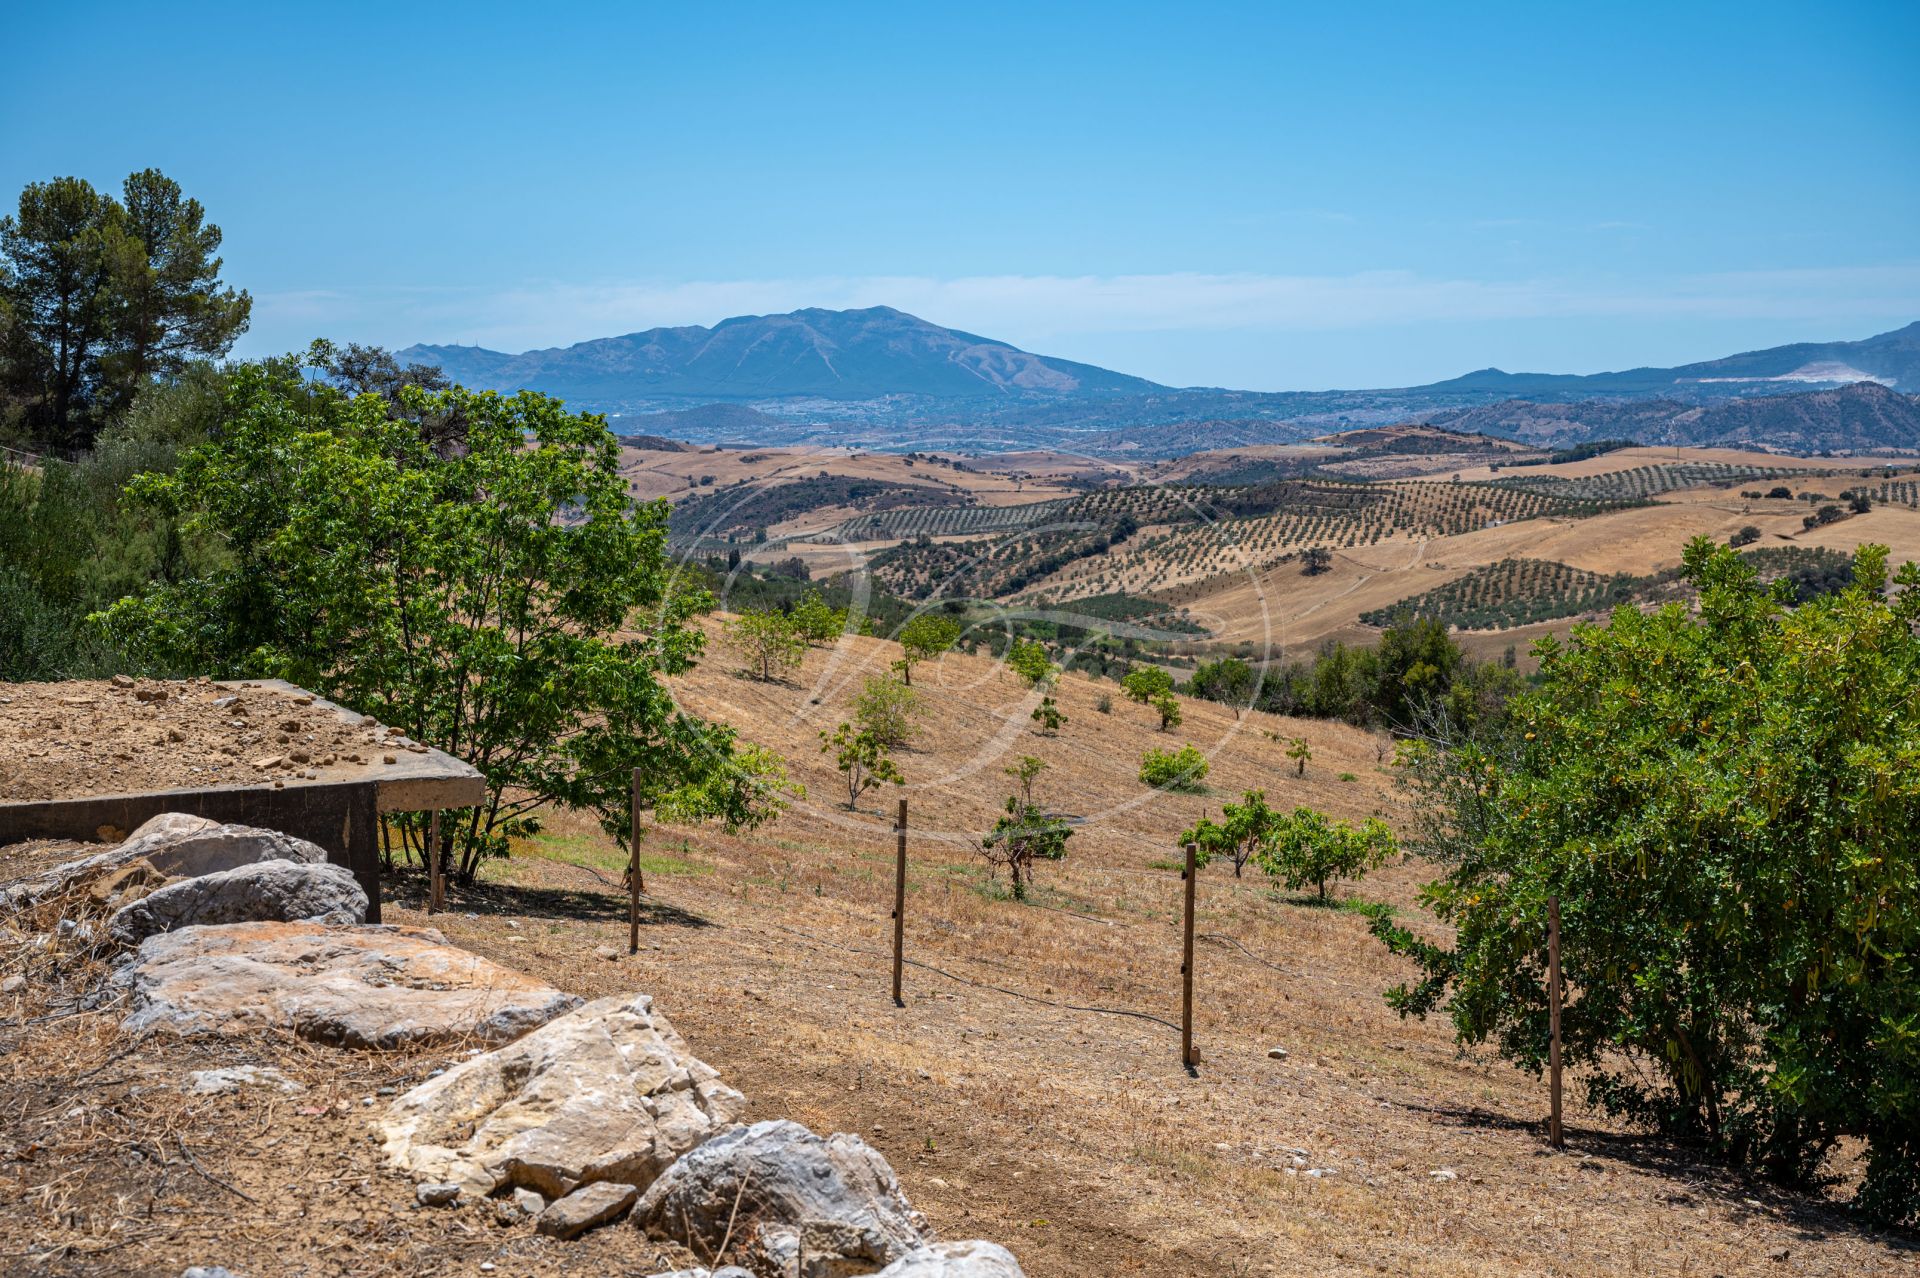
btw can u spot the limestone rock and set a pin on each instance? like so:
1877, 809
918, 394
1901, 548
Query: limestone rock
725, 1271
609, 1092
831, 1204
275, 891
357, 986
175, 845
584, 1208
955, 1260
231, 1078
436, 1194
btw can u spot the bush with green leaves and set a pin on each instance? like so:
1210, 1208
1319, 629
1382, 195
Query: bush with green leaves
1308, 850
1168, 709
1048, 716
1301, 753
862, 759
767, 639
923, 638
1029, 659
502, 599
1144, 683
816, 621
1243, 830
1024, 833
1726, 805
888, 709
1184, 770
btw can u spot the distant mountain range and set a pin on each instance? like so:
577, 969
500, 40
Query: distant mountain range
837, 355
884, 379
1859, 418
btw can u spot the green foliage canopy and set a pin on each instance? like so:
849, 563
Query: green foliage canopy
1727, 805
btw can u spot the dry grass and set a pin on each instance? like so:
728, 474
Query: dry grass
1011, 1107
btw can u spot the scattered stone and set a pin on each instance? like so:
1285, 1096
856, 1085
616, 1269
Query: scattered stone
607, 952
1444, 1173
277, 891
231, 1078
607, 1092
357, 986
1277, 1053
436, 1195
123, 681
955, 1260
13, 984
208, 1271
725, 1271
784, 1192
586, 1207
529, 1202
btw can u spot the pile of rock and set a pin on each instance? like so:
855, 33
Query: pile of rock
580, 1116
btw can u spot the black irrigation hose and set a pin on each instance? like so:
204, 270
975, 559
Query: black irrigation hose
998, 989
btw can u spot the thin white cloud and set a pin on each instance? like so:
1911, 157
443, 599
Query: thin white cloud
1031, 310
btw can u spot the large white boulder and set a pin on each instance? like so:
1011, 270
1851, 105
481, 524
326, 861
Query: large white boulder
608, 1092
176, 846
264, 891
358, 986
790, 1202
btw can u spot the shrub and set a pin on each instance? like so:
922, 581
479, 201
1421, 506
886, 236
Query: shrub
1301, 753
1144, 683
888, 709
1306, 848
1169, 711
1104, 704
1722, 802
1745, 537
1184, 770
1048, 716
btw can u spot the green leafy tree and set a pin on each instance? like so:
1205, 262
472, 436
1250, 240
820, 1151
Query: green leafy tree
1244, 829
1301, 753
1029, 660
862, 759
816, 621
1145, 683
1229, 679
1168, 709
1724, 802
1024, 834
768, 640
889, 710
1047, 714
99, 297
1184, 769
507, 603
1305, 848
923, 638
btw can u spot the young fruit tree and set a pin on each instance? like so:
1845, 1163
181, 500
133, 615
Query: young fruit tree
768, 640
1722, 797
1146, 683
1029, 660
923, 638
1301, 753
889, 710
1168, 709
1024, 833
815, 621
1048, 716
862, 759
503, 599
1245, 828
1305, 849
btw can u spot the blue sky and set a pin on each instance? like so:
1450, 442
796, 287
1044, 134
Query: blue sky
1251, 195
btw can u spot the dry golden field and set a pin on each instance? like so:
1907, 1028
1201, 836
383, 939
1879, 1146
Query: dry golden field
1030, 1089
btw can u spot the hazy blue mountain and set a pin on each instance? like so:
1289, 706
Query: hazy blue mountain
1892, 359
834, 355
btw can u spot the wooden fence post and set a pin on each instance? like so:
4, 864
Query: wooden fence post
899, 902
436, 868
1187, 1056
1556, 1136
634, 884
